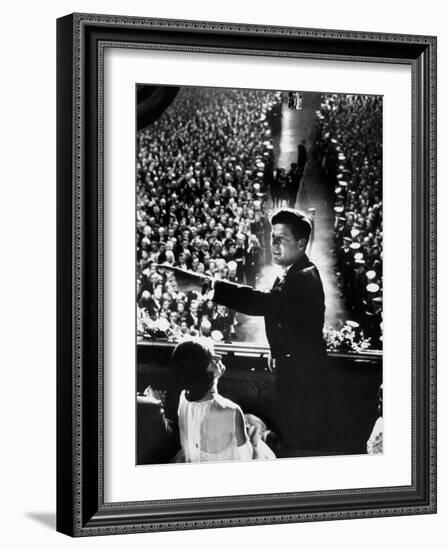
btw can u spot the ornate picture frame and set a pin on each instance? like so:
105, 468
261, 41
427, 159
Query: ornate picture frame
81, 506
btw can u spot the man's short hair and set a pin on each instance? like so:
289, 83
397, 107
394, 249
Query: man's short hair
297, 221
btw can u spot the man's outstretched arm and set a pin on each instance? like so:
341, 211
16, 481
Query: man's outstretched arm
246, 299
241, 298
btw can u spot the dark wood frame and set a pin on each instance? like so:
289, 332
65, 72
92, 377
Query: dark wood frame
81, 39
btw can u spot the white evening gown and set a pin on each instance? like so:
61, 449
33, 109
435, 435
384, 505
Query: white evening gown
193, 437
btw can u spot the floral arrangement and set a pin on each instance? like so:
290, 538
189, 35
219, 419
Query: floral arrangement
154, 328
349, 337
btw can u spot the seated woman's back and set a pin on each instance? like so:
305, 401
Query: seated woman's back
213, 429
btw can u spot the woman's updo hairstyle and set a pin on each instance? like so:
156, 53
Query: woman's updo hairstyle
190, 360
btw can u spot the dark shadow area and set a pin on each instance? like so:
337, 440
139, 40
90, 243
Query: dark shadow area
152, 102
47, 519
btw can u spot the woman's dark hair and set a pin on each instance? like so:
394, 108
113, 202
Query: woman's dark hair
190, 360
297, 221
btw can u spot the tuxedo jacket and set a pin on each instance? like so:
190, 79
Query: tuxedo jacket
293, 310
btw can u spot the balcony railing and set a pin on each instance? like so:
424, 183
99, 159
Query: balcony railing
241, 349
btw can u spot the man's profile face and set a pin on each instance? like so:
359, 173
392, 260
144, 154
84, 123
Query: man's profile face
285, 248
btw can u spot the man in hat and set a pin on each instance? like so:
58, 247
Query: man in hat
359, 284
345, 263
293, 310
302, 158
293, 185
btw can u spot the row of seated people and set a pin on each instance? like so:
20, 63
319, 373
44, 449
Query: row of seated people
164, 310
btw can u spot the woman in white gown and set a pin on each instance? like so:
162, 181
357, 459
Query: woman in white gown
212, 428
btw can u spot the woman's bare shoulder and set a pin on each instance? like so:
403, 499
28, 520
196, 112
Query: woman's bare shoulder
225, 404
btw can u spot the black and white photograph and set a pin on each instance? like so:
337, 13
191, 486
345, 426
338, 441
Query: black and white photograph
223, 303
259, 291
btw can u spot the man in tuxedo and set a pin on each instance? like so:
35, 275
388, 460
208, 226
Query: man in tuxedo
293, 310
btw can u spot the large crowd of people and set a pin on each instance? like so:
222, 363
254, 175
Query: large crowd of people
349, 148
202, 173
205, 175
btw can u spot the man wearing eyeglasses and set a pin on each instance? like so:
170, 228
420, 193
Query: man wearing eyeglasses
293, 310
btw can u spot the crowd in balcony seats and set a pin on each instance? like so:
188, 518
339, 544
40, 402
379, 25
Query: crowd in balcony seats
349, 149
203, 169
